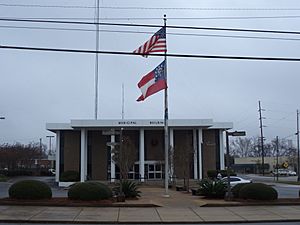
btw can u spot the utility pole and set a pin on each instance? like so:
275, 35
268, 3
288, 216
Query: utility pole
261, 138
277, 153
298, 169
50, 137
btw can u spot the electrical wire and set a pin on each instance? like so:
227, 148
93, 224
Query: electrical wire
174, 18
152, 26
141, 32
147, 8
156, 55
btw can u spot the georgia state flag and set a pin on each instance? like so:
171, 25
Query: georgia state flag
153, 82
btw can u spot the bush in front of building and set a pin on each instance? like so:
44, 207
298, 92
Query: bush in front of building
70, 176
236, 190
212, 189
212, 174
30, 189
89, 191
129, 189
258, 191
224, 173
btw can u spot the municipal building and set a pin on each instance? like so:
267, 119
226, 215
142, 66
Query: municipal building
86, 146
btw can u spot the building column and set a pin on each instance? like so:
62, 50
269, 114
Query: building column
83, 155
222, 161
112, 163
195, 154
142, 155
57, 158
171, 156
200, 140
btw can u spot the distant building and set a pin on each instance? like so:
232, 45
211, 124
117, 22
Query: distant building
254, 164
81, 145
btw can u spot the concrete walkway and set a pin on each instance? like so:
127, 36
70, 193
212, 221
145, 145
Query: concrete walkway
36, 214
179, 208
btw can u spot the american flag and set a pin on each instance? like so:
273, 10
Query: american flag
157, 43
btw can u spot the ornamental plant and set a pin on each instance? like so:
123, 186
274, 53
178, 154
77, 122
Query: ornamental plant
212, 189
89, 191
30, 189
258, 191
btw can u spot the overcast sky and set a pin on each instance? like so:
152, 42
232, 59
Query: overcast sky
40, 87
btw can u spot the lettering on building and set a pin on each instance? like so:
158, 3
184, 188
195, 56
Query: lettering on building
156, 122
126, 122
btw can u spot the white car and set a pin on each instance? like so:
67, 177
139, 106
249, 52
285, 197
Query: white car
236, 180
292, 173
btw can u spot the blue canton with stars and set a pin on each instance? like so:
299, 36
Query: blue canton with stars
159, 72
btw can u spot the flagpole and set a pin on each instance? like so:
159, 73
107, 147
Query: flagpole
166, 122
97, 59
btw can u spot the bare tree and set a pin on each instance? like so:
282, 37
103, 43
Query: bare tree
124, 156
183, 157
14, 156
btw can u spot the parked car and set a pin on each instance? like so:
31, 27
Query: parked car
52, 171
292, 173
234, 180
285, 172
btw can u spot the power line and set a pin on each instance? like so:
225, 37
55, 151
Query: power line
159, 55
174, 18
148, 8
142, 32
147, 25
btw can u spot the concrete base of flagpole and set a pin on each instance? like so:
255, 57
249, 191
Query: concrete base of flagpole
166, 196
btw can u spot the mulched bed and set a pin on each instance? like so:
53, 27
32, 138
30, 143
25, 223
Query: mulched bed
72, 203
242, 202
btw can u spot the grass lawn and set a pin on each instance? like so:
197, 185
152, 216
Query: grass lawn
3, 178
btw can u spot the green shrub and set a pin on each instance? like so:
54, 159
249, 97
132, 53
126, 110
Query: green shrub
30, 189
236, 190
258, 191
69, 176
129, 188
212, 174
224, 173
212, 189
89, 191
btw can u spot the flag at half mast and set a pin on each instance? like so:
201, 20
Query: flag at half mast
153, 82
157, 43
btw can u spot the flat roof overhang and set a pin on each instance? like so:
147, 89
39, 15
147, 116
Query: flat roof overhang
131, 123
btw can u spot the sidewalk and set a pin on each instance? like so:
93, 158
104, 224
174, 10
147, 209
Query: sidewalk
179, 208
36, 214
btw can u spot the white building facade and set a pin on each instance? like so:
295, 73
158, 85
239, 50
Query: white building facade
86, 146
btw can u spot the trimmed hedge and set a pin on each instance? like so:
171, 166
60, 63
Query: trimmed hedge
69, 176
89, 191
258, 191
236, 190
30, 189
